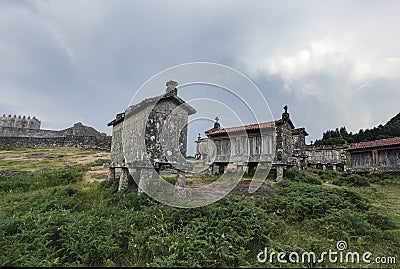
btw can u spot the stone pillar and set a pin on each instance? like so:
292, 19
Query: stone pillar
334, 167
324, 167
214, 169
148, 178
221, 168
180, 184
111, 173
251, 169
123, 180
239, 168
279, 173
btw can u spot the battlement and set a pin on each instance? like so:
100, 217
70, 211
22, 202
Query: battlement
19, 122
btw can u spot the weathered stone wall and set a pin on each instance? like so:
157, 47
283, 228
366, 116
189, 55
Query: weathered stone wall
77, 136
389, 158
134, 126
373, 160
117, 155
238, 148
157, 134
103, 142
284, 142
299, 145
77, 130
326, 154
327, 157
19, 132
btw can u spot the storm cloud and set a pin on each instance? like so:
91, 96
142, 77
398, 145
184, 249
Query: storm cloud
333, 63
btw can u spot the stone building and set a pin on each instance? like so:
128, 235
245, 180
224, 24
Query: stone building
19, 122
375, 156
331, 157
150, 135
25, 132
277, 143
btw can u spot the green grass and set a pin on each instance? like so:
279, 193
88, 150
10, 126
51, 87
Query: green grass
53, 218
31, 159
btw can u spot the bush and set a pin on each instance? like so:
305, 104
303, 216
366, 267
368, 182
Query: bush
346, 224
66, 225
329, 175
384, 178
26, 181
298, 201
296, 175
352, 180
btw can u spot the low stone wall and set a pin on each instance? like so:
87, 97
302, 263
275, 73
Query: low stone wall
20, 132
99, 142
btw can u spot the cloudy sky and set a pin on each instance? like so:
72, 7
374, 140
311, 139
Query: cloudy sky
333, 63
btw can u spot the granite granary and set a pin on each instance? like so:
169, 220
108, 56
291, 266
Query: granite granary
150, 135
277, 144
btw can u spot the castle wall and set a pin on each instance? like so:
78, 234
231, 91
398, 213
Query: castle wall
77, 136
19, 122
20, 132
100, 142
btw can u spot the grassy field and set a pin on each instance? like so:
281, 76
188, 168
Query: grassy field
31, 159
68, 215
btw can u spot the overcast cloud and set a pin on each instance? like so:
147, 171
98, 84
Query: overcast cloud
333, 63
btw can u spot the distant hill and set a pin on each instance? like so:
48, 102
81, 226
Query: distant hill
341, 136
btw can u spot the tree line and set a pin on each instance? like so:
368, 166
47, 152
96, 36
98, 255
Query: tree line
341, 136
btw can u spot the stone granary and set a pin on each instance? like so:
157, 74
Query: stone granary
381, 155
331, 157
150, 135
277, 144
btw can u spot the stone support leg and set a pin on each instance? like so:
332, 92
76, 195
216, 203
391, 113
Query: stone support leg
111, 173
148, 178
279, 173
123, 180
180, 184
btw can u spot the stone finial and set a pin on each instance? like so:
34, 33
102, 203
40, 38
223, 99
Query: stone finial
285, 115
216, 123
171, 86
199, 137
4, 115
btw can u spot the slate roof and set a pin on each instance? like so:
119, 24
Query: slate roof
152, 101
250, 127
387, 142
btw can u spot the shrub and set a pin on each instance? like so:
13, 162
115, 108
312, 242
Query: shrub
25, 181
298, 201
352, 180
384, 178
296, 175
329, 175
